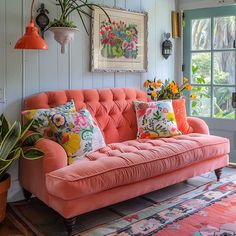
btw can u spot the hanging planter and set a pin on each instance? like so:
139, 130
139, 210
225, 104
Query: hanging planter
63, 35
62, 27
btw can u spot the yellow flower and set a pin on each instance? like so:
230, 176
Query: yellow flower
31, 114
154, 94
172, 84
73, 144
193, 96
128, 32
170, 116
146, 83
188, 86
71, 125
70, 160
185, 79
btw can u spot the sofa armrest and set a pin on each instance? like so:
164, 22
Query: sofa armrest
32, 173
54, 155
197, 125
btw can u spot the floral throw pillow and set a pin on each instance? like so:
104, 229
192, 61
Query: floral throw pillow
77, 132
40, 117
156, 119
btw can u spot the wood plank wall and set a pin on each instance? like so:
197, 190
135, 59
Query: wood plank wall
29, 72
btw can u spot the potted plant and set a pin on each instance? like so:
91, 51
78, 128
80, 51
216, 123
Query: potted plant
15, 142
62, 27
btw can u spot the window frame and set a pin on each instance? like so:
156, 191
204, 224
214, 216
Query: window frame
197, 14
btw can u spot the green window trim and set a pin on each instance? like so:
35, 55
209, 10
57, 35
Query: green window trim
207, 13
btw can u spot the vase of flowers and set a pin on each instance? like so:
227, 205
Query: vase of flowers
157, 90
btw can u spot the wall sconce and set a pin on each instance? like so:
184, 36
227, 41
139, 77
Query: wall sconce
167, 46
31, 39
42, 19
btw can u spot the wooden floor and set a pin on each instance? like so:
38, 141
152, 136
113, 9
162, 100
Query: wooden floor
8, 229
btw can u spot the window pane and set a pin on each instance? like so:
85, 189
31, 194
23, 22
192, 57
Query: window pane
202, 105
222, 103
224, 32
201, 34
224, 67
201, 68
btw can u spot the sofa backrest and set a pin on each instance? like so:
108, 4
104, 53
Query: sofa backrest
112, 108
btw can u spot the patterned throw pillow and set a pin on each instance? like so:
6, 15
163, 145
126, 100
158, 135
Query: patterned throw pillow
40, 117
77, 132
155, 119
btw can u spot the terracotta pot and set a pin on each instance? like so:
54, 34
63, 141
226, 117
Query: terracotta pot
63, 35
4, 186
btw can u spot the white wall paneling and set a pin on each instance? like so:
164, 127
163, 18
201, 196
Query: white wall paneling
25, 73
2, 51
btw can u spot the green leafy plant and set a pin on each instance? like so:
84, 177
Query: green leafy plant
16, 142
81, 7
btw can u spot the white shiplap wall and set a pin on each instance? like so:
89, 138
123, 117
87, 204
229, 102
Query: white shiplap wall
29, 72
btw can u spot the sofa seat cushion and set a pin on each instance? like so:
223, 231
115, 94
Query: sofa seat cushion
132, 161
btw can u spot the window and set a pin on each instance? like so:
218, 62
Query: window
209, 58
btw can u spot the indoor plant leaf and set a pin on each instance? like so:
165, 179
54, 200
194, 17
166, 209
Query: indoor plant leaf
10, 140
4, 127
31, 138
32, 153
26, 128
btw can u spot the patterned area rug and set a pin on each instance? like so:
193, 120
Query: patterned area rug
204, 211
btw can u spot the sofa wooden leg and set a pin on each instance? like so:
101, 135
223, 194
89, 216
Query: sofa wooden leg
218, 173
70, 225
27, 194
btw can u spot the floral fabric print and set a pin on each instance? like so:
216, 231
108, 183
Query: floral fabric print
77, 132
40, 117
156, 119
119, 39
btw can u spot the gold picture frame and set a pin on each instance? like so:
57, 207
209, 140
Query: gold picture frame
119, 45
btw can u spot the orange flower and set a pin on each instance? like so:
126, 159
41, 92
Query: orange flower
188, 87
153, 84
146, 83
175, 90
174, 87
159, 83
154, 94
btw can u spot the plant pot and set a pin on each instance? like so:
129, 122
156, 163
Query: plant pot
4, 186
63, 35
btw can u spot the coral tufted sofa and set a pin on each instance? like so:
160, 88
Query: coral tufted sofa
126, 167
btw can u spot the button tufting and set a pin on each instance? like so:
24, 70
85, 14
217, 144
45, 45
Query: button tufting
112, 108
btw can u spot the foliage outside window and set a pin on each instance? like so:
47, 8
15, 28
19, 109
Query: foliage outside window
213, 67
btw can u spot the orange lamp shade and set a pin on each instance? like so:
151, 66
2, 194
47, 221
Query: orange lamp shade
31, 39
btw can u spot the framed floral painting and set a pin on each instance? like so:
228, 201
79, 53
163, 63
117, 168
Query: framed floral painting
119, 45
